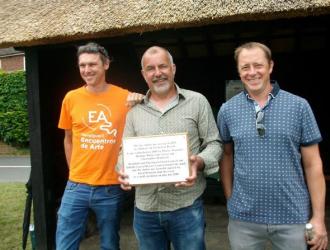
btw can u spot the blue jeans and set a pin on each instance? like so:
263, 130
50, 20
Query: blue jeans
251, 236
77, 199
185, 228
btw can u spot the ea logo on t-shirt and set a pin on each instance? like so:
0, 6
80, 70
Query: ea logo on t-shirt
98, 119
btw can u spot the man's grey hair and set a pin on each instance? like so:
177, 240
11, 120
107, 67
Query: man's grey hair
155, 50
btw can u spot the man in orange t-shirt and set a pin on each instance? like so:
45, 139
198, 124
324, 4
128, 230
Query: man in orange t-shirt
93, 117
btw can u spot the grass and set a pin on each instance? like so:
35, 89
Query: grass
12, 203
21, 152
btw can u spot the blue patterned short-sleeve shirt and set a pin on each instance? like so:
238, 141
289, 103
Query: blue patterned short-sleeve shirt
269, 185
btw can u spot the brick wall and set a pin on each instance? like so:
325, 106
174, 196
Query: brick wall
12, 63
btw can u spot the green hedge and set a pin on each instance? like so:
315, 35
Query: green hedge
14, 125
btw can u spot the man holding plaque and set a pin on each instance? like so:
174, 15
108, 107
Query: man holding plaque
171, 211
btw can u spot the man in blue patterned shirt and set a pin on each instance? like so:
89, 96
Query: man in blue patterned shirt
271, 170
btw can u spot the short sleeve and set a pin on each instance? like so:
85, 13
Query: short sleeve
310, 130
222, 126
65, 121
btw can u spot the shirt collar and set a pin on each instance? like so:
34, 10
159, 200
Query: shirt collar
272, 94
179, 92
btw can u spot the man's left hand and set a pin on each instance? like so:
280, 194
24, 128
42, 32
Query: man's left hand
320, 238
133, 99
196, 164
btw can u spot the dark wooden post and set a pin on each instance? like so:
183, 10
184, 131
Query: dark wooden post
43, 229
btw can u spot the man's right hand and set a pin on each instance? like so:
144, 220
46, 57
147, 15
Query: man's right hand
123, 180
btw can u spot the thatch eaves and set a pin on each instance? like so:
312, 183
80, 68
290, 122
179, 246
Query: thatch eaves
35, 22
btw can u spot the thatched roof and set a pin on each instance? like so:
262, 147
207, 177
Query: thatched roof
34, 22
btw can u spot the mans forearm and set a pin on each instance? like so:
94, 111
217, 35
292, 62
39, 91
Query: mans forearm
211, 155
315, 179
226, 170
68, 152
68, 146
226, 176
316, 186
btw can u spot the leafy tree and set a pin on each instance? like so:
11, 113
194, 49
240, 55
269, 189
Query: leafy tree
14, 125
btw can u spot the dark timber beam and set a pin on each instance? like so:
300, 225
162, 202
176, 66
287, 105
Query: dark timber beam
39, 191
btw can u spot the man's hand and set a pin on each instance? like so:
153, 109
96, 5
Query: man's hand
196, 164
320, 238
133, 99
123, 180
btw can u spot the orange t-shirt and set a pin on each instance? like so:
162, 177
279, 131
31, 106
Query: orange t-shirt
97, 123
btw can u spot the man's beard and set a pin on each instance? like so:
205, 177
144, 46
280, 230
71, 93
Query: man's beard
163, 88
